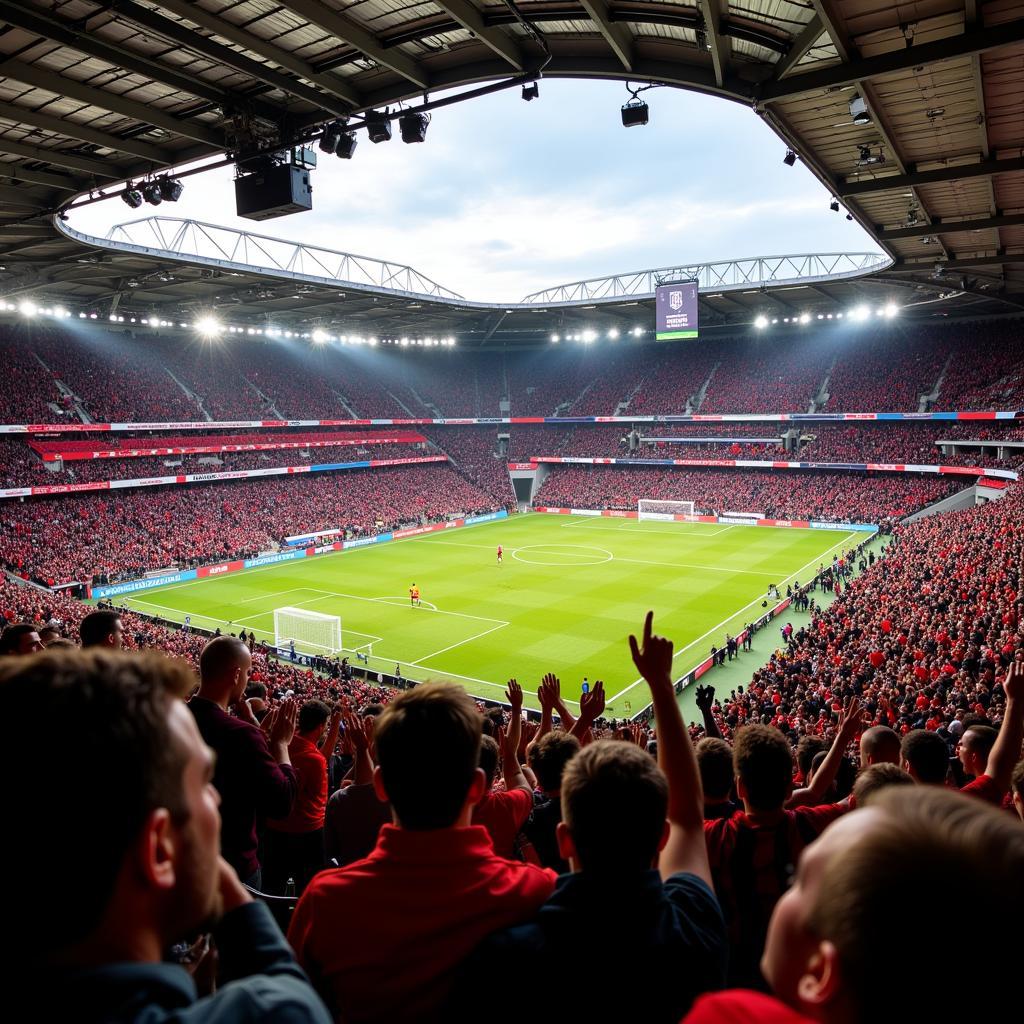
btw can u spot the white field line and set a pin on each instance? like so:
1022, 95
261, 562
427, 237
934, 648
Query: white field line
451, 647
331, 554
263, 597
724, 622
637, 561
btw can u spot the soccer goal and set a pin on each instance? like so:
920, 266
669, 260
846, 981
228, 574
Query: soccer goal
663, 511
310, 632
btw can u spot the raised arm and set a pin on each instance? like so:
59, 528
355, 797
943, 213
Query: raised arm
1005, 752
705, 700
591, 709
686, 849
849, 726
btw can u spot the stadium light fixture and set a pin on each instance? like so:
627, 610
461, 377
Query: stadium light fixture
208, 326
613, 333
151, 193
132, 196
28, 309
860, 313
378, 126
834, 205
859, 112
346, 145
890, 310
319, 336
805, 318
761, 322
328, 141
635, 112
413, 127
637, 331
170, 188
554, 339
531, 91
589, 336
790, 158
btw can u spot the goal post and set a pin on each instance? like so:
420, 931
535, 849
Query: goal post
310, 632
663, 511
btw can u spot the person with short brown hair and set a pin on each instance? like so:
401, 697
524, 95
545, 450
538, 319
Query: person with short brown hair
639, 888
87, 939
714, 758
432, 887
752, 852
830, 947
876, 778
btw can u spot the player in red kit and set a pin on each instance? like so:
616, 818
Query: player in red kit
499, 554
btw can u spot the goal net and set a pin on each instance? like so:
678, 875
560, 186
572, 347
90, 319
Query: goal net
664, 511
310, 632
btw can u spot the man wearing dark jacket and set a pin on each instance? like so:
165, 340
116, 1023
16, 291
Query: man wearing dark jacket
254, 774
129, 866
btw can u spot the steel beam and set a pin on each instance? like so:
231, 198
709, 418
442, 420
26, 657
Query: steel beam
800, 46
472, 19
33, 19
617, 36
348, 32
720, 44
920, 54
950, 227
176, 32
72, 161
957, 263
65, 127
935, 176
43, 78
17, 172
336, 88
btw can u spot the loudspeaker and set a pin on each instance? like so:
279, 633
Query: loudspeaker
273, 192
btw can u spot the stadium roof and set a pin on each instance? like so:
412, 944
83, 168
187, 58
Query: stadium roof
93, 93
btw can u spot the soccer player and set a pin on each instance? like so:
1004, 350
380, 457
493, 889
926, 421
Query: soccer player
499, 554
414, 596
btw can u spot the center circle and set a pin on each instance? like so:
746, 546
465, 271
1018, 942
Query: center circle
562, 554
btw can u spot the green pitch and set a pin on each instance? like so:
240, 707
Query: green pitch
569, 592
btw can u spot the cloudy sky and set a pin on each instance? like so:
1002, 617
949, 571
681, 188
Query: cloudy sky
505, 197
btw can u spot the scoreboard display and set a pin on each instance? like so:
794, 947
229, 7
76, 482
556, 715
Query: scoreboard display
676, 311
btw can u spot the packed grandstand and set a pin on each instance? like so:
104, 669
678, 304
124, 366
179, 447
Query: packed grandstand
376, 655
130, 461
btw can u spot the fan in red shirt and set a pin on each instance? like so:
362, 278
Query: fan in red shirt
752, 854
382, 937
828, 954
504, 814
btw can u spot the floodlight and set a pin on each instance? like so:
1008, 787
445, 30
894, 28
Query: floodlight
634, 112
860, 313
554, 339
378, 126
859, 110
329, 139
589, 336
890, 310
761, 322
28, 309
132, 197
346, 145
170, 188
319, 336
834, 205
151, 193
531, 91
613, 333
208, 326
413, 127
805, 318
790, 158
